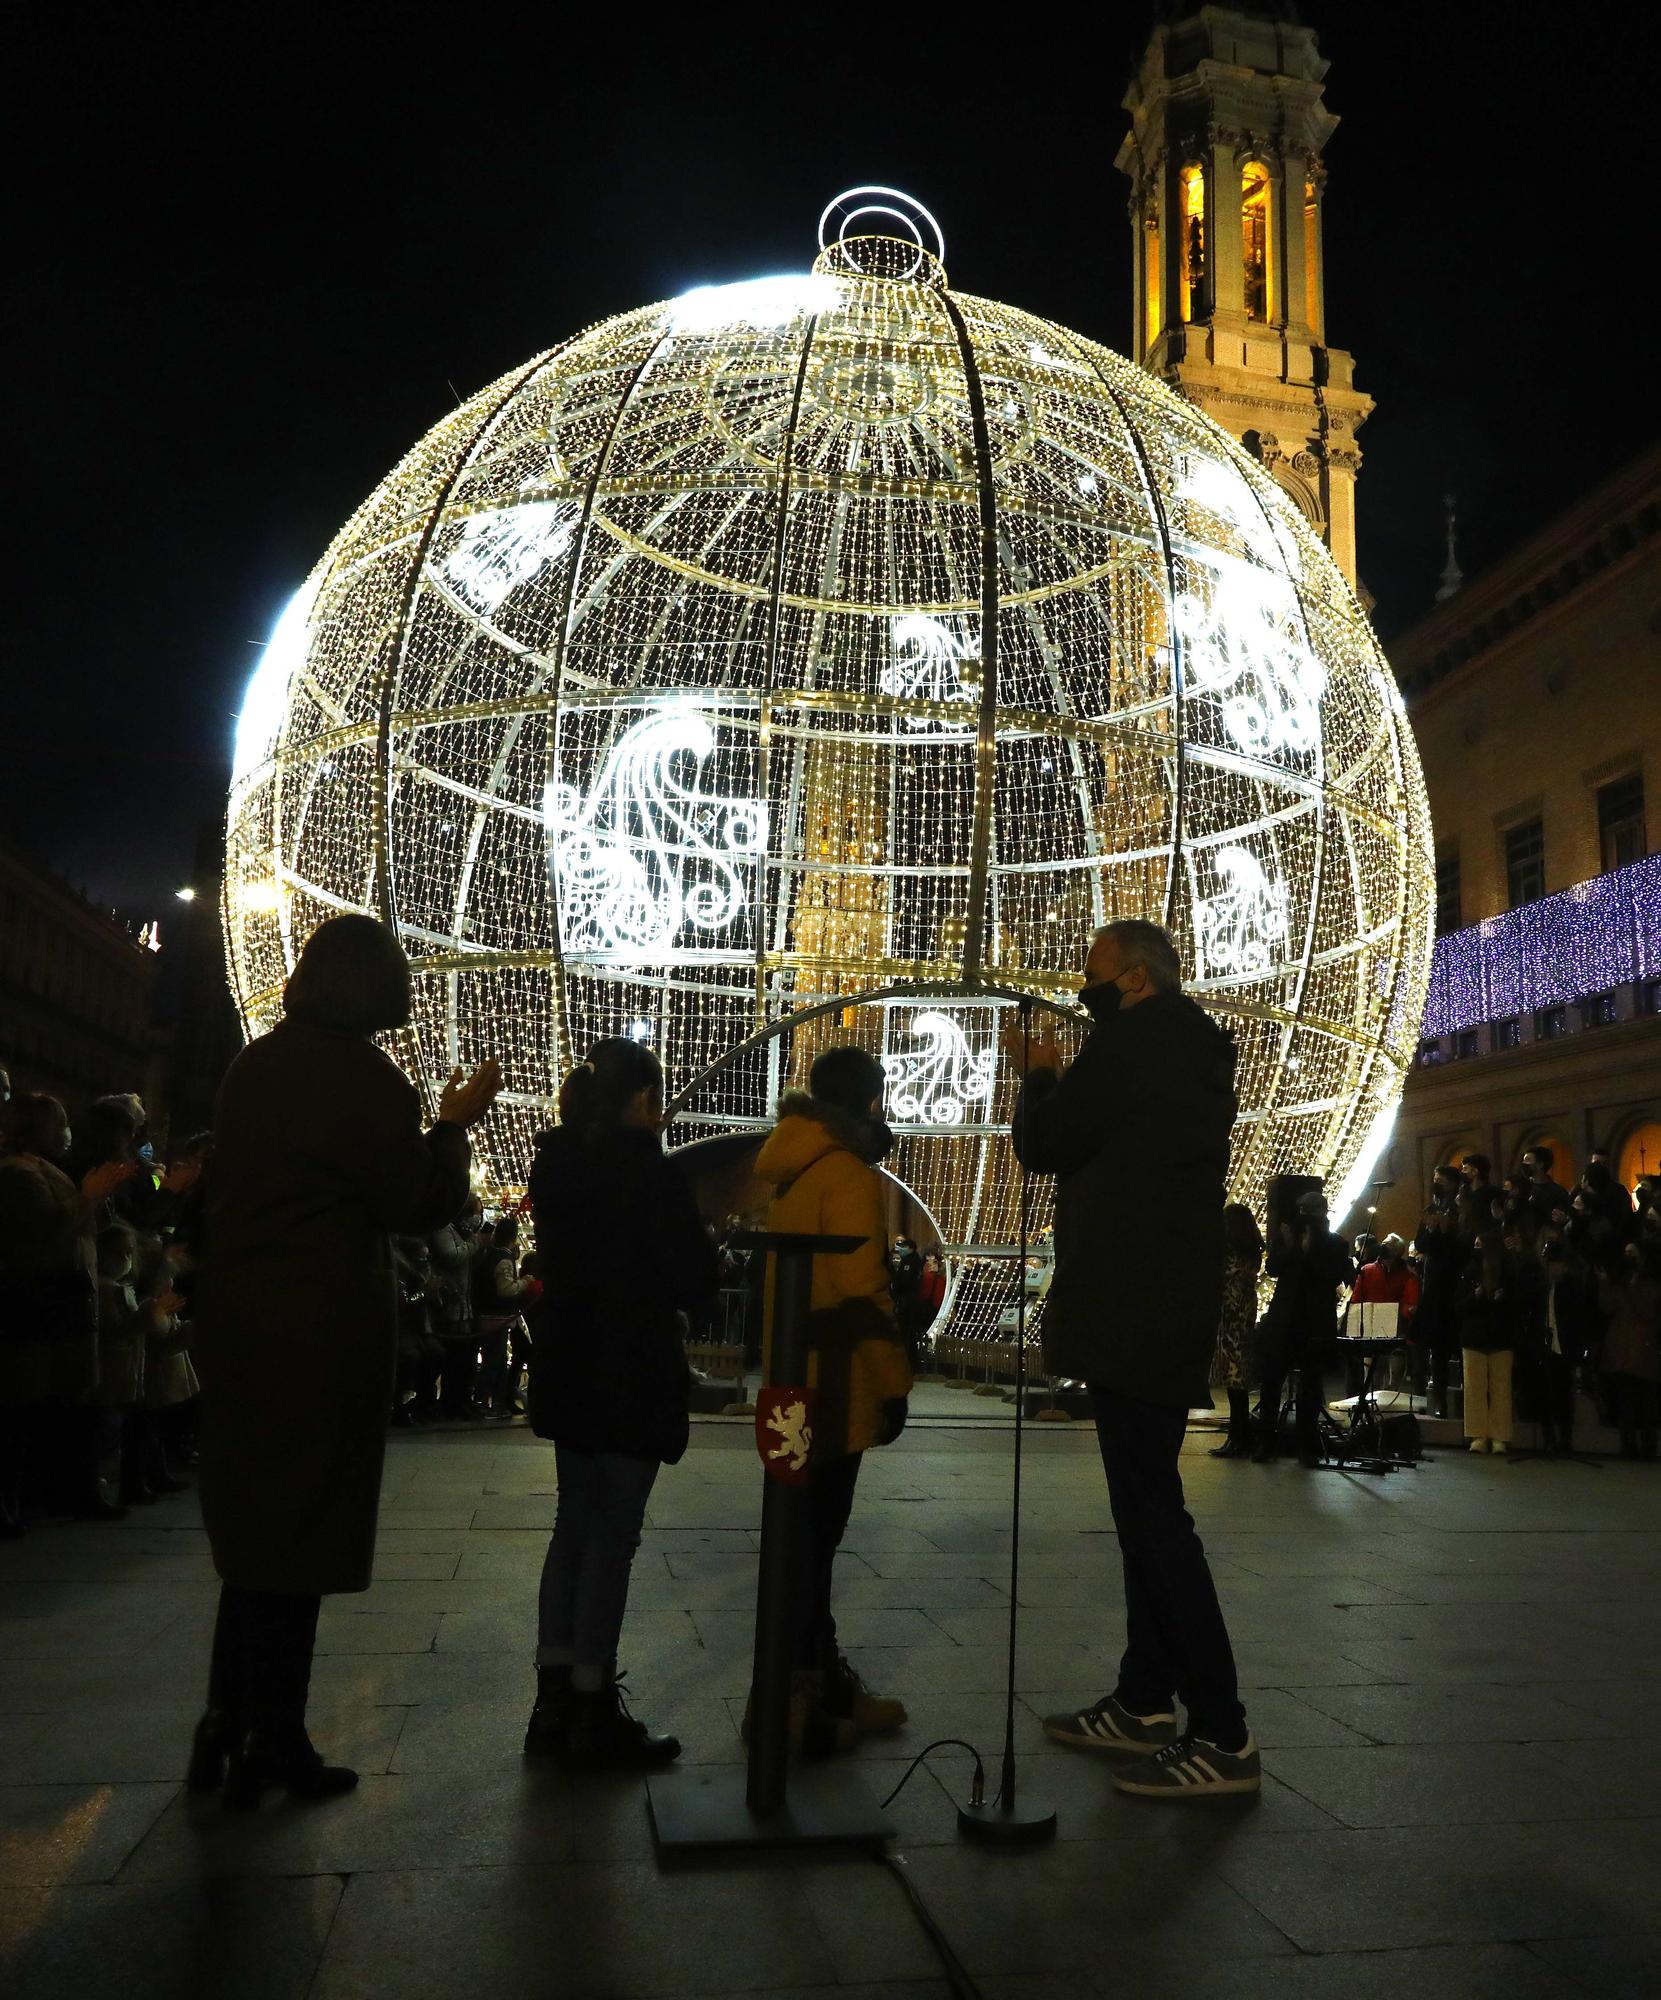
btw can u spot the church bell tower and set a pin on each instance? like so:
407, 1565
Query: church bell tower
1224, 161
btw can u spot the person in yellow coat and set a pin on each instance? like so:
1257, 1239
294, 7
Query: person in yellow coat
821, 1160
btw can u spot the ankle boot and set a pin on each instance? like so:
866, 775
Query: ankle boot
261, 1758
1238, 1442
845, 1696
814, 1730
601, 1735
213, 1742
551, 1713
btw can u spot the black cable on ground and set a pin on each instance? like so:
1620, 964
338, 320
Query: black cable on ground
957, 1973
977, 1790
957, 1976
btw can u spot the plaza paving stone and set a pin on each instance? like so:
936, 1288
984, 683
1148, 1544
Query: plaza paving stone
1454, 1674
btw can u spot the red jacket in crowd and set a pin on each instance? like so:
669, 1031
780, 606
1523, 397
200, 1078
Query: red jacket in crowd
1377, 1284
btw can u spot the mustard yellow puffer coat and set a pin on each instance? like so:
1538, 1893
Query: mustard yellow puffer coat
825, 1186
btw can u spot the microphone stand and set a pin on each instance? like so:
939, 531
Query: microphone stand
1009, 1821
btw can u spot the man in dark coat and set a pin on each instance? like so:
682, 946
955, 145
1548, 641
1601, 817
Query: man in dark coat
1547, 1196
1308, 1264
1476, 1197
1137, 1134
319, 1161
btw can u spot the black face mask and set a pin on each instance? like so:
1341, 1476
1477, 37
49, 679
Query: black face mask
1101, 1000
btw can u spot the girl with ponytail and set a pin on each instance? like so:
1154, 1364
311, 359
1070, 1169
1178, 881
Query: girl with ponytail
624, 1254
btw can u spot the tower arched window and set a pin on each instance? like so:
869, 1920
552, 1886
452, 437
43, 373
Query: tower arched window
1256, 196
1193, 250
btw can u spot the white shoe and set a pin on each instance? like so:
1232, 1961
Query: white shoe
1498, 1445
1479, 1444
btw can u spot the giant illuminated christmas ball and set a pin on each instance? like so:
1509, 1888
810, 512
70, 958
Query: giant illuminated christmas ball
822, 658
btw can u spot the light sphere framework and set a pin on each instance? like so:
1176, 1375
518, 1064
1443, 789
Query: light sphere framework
821, 658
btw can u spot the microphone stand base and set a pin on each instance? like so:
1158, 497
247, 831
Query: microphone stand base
1022, 1825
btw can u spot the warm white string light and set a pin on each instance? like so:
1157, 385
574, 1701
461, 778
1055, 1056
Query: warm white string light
646, 697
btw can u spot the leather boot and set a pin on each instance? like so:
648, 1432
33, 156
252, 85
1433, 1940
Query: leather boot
551, 1714
845, 1696
261, 1758
212, 1744
601, 1735
814, 1731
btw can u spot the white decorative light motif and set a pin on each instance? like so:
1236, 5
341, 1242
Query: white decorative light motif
1242, 928
647, 856
924, 666
946, 1082
507, 547
1242, 650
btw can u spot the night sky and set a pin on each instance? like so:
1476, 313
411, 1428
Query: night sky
255, 254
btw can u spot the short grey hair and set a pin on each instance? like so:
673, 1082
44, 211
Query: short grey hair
1149, 945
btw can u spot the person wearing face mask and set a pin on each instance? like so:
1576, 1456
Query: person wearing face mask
1309, 1265
1136, 1132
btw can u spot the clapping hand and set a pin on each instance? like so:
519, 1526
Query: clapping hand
1028, 1052
466, 1100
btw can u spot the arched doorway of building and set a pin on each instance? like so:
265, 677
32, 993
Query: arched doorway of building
1639, 1152
1451, 1155
1565, 1168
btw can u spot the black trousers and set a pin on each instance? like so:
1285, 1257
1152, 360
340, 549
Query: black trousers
260, 1673
830, 1502
458, 1372
1177, 1643
1555, 1388
1432, 1338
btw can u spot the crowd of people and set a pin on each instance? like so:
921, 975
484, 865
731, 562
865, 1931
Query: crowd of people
322, 1260
98, 1259
1541, 1291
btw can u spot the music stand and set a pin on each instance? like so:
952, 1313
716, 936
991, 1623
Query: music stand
1379, 1340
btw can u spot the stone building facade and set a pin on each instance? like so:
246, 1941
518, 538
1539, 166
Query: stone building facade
1535, 694
1535, 691
75, 988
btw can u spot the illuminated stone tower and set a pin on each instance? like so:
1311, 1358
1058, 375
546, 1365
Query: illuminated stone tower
1224, 160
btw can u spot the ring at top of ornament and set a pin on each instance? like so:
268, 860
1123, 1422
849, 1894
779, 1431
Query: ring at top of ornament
881, 252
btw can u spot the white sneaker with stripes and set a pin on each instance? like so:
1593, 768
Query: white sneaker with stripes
1112, 1726
1192, 1768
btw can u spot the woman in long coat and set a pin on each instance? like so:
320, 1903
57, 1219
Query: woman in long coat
319, 1160
1231, 1365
